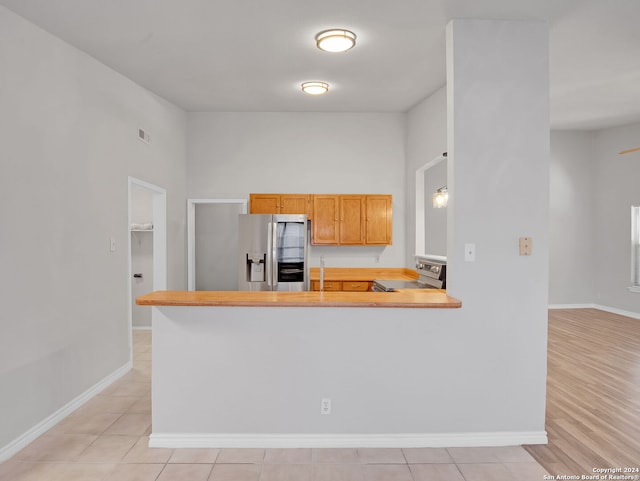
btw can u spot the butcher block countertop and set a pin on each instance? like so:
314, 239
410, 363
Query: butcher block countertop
422, 298
368, 274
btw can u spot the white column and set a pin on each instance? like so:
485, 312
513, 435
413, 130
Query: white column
498, 145
498, 179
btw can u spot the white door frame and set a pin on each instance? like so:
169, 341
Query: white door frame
420, 213
159, 242
191, 233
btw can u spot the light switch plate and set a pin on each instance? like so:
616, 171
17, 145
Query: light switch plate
525, 246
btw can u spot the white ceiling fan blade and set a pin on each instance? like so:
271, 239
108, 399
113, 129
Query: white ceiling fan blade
628, 151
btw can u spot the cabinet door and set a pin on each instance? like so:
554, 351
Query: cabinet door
379, 223
325, 220
294, 204
264, 203
352, 219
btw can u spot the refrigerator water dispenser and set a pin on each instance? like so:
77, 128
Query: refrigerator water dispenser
256, 267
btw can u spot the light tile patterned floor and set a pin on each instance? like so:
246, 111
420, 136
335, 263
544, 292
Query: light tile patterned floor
107, 440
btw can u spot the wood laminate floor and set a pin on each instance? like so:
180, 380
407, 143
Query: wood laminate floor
593, 393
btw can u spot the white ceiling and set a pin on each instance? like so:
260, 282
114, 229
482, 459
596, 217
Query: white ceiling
252, 55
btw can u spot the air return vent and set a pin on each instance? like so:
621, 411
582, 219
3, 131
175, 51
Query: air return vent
143, 136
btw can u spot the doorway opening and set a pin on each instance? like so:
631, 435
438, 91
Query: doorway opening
147, 223
212, 243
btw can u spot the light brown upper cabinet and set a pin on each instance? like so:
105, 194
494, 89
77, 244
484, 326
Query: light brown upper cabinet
279, 204
351, 220
378, 221
326, 220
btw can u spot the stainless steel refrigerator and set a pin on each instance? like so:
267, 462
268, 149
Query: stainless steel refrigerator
273, 252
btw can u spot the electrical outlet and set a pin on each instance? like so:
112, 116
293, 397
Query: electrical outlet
325, 406
469, 252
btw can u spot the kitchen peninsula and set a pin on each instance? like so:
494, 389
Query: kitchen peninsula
413, 298
250, 369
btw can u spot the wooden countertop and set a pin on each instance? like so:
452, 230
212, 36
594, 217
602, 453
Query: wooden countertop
422, 298
341, 274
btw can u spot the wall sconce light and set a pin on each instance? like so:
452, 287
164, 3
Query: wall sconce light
335, 40
440, 197
315, 88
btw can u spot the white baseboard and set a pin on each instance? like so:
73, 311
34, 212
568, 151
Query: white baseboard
43, 426
419, 440
613, 310
141, 328
572, 306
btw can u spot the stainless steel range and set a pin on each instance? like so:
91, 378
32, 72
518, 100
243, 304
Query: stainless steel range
432, 274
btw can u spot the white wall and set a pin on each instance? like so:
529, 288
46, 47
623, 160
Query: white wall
572, 219
68, 142
592, 190
141, 205
426, 139
234, 154
435, 218
216, 246
617, 188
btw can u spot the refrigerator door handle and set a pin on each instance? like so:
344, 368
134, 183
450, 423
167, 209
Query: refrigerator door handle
274, 255
269, 263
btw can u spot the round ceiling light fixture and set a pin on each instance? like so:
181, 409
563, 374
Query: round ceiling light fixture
315, 88
335, 40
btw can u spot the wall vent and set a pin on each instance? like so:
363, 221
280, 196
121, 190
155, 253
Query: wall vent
143, 136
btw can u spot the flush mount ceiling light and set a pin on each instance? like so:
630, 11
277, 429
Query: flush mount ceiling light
315, 88
335, 40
